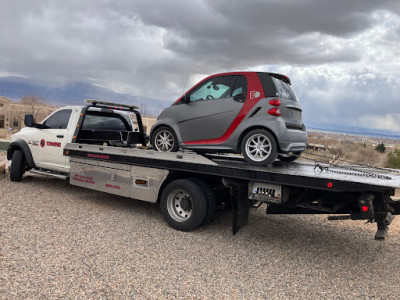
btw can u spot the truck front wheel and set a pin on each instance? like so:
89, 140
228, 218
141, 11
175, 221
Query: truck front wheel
17, 168
183, 204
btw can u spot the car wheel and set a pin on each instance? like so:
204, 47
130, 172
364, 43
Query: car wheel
183, 204
164, 139
17, 168
259, 147
289, 156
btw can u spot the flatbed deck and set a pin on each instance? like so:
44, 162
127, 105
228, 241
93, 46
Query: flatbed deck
301, 174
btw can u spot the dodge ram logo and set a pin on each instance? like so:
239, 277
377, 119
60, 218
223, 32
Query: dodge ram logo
42, 143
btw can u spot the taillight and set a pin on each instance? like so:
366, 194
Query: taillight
275, 112
275, 102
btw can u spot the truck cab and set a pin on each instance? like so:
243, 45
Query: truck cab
39, 146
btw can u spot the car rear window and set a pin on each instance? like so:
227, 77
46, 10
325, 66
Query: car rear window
283, 89
274, 86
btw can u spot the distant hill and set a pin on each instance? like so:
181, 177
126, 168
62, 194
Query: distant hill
73, 93
355, 130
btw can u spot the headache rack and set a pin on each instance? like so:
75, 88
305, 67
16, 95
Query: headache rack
114, 138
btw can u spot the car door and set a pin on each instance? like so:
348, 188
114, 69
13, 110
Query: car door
52, 138
212, 107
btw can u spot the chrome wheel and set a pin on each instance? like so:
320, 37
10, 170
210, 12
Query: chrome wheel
258, 147
179, 205
164, 141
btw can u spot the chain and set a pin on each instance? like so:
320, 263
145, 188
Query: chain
354, 163
355, 172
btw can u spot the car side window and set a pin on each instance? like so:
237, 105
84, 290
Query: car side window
240, 86
58, 120
215, 88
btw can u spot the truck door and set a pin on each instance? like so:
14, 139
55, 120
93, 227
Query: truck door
52, 137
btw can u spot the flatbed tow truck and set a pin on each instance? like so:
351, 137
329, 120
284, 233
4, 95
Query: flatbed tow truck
189, 185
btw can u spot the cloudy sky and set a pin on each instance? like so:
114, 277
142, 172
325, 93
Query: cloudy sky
343, 56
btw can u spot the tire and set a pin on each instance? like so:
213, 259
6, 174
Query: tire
17, 168
164, 139
210, 197
183, 204
259, 147
288, 157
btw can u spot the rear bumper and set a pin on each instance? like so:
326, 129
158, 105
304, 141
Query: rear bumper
297, 141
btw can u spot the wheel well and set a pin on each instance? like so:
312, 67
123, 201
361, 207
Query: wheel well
158, 126
253, 128
11, 151
23, 146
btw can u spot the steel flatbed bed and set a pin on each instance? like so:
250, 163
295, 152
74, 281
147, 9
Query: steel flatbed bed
295, 187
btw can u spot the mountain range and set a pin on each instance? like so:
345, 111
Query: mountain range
73, 93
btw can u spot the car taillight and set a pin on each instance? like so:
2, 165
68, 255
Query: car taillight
275, 112
275, 102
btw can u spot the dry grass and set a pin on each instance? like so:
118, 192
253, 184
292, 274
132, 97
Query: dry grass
353, 152
3, 134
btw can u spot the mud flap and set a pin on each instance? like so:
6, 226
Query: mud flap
240, 203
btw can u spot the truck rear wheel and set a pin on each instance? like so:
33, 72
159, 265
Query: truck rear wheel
210, 197
17, 168
183, 204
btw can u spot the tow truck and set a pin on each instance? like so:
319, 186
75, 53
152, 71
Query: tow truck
97, 146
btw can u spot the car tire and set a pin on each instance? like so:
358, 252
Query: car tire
259, 147
164, 139
183, 204
17, 168
289, 157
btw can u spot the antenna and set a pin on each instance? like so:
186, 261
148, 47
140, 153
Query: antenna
187, 76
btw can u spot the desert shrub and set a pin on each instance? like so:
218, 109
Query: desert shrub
394, 159
358, 153
381, 148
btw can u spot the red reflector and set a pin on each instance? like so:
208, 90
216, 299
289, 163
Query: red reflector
275, 112
329, 185
275, 102
364, 208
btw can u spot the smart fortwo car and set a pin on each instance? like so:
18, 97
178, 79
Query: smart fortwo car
253, 113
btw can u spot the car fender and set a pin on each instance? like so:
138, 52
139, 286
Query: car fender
170, 123
22, 145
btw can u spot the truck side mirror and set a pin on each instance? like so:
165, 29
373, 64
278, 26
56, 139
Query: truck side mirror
29, 121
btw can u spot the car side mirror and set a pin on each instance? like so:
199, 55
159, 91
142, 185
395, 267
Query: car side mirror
28, 121
186, 98
239, 97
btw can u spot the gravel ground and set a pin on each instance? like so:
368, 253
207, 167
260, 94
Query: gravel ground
60, 241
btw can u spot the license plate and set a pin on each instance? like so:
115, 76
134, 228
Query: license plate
295, 114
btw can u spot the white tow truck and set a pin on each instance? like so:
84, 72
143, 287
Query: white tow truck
97, 146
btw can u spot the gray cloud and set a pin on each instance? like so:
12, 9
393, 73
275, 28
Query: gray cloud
147, 47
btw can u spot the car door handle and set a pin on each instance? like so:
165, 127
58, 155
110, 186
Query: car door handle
60, 136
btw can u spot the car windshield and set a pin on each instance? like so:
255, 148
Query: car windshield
283, 89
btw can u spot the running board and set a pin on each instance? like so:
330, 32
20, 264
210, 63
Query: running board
48, 173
